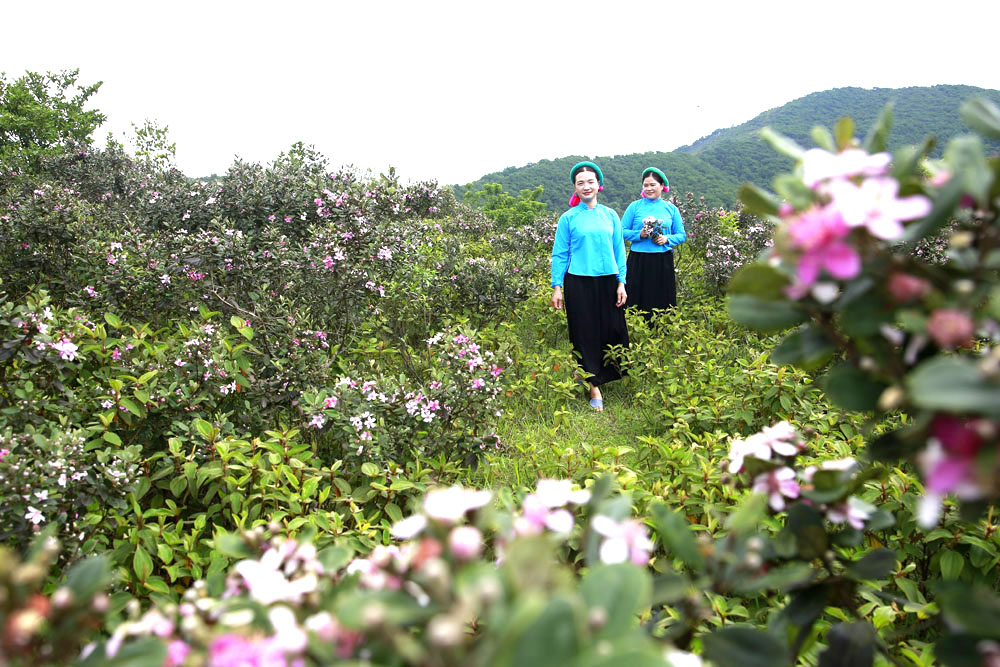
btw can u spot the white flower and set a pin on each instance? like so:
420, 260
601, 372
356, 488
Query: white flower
409, 527
34, 515
452, 503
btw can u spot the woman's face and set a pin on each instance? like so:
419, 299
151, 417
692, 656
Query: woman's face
586, 186
651, 188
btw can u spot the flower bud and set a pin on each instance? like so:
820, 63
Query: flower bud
62, 598
444, 631
904, 288
965, 286
466, 542
755, 544
101, 603
373, 615
753, 561
961, 239
868, 364
597, 618
957, 436
950, 328
891, 398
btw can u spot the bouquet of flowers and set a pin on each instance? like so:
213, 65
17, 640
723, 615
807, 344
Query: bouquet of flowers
652, 227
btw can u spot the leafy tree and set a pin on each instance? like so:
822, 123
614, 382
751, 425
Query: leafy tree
505, 210
42, 114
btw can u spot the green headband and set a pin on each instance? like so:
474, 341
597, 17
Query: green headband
580, 165
666, 183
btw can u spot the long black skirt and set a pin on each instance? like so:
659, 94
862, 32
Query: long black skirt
595, 323
651, 282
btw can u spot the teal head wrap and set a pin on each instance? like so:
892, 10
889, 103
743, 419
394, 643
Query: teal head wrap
580, 165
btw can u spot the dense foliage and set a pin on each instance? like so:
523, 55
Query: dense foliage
304, 416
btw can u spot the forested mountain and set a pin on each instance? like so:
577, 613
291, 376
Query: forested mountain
714, 166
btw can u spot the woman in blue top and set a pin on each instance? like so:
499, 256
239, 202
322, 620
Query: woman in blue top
655, 228
588, 275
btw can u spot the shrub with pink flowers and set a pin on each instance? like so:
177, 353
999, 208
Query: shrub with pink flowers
897, 333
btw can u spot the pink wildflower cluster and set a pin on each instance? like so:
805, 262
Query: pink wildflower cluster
853, 191
948, 464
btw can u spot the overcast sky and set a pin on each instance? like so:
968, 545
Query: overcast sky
454, 90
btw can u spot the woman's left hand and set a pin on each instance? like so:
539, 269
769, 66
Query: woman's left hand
622, 296
660, 239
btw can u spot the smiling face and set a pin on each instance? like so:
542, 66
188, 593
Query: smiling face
586, 186
651, 188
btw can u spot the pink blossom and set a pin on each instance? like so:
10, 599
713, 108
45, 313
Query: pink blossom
624, 541
852, 511
819, 233
330, 402
819, 165
950, 328
177, 652
34, 515
451, 504
478, 383
465, 542
874, 205
66, 349
778, 485
116, 354
233, 650
904, 288
317, 421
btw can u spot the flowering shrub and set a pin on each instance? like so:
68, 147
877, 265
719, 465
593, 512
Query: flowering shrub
451, 412
903, 334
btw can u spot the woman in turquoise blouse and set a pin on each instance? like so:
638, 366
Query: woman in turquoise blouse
655, 228
588, 276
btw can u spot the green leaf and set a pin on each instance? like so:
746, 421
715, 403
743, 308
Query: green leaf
849, 645
973, 610
370, 469
204, 428
113, 320
953, 384
748, 515
147, 376
823, 138
757, 201
87, 577
806, 524
764, 316
621, 591
759, 280
781, 578
967, 159
552, 639
744, 646
231, 545
982, 116
807, 604
951, 564
958, 650
157, 585
844, 131
807, 348
876, 564
142, 564
393, 512
130, 405
878, 136
148, 652
781, 143
675, 533
113, 438
236, 322
851, 388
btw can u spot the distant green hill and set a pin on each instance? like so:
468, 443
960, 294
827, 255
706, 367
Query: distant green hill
715, 166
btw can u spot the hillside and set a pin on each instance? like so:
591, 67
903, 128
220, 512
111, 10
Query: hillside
715, 165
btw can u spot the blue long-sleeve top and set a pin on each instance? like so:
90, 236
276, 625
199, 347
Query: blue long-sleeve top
672, 225
588, 242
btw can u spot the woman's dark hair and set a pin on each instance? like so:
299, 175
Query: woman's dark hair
659, 179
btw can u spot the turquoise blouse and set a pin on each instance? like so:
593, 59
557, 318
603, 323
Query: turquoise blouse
672, 225
588, 242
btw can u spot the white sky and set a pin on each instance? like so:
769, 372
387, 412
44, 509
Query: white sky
454, 90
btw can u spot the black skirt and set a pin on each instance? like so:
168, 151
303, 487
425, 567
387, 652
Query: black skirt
595, 323
651, 283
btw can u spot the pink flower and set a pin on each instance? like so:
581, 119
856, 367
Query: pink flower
625, 541
819, 165
778, 485
34, 515
958, 436
874, 205
465, 542
66, 349
317, 421
904, 288
330, 402
177, 652
950, 328
451, 504
116, 354
478, 383
819, 233
852, 511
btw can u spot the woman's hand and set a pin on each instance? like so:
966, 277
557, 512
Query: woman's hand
644, 234
622, 296
660, 239
557, 298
